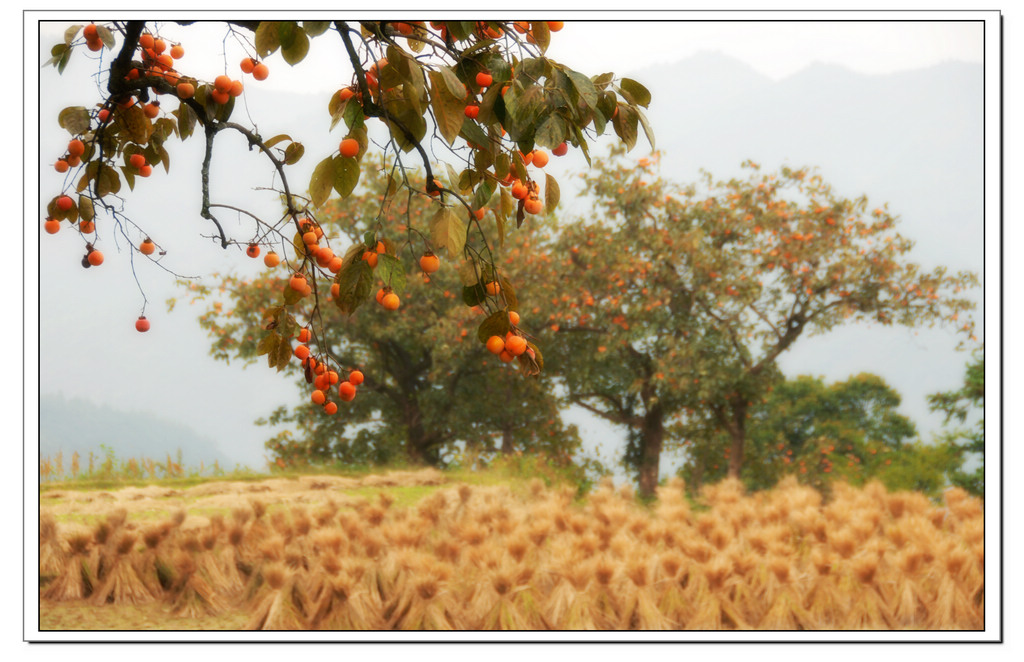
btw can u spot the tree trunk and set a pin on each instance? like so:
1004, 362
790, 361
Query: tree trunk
419, 445
507, 445
651, 440
738, 434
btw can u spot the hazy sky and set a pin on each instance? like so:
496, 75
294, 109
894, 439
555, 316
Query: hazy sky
91, 348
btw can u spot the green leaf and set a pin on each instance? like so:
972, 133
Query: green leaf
453, 177
86, 209
355, 282
523, 109
602, 81
461, 30
296, 49
280, 138
107, 179
71, 33
282, 356
75, 119
647, 127
625, 125
106, 36
163, 157
353, 114
525, 361
346, 175
293, 153
502, 165
391, 270
551, 193
638, 94
474, 295
59, 53
581, 140
187, 119
496, 324
292, 297
447, 230
448, 110
519, 167
455, 87
509, 293
64, 61
584, 87
268, 344
472, 132
267, 38
551, 132
322, 182
135, 124
483, 195
508, 203
541, 34
315, 28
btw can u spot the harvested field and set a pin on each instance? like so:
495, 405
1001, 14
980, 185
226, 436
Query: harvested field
352, 554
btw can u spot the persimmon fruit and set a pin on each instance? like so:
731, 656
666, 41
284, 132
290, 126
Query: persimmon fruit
430, 263
390, 301
515, 345
349, 147
495, 345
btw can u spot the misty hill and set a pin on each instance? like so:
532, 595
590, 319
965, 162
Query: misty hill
78, 425
912, 139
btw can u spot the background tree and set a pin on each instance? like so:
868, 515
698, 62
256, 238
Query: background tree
482, 89
427, 384
685, 296
849, 431
969, 443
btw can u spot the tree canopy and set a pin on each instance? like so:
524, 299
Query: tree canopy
426, 384
673, 301
968, 442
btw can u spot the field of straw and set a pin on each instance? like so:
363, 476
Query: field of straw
466, 557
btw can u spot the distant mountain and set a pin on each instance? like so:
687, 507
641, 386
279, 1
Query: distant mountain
912, 139
79, 425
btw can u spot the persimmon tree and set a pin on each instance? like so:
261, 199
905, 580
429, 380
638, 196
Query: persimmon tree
425, 383
678, 299
484, 91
